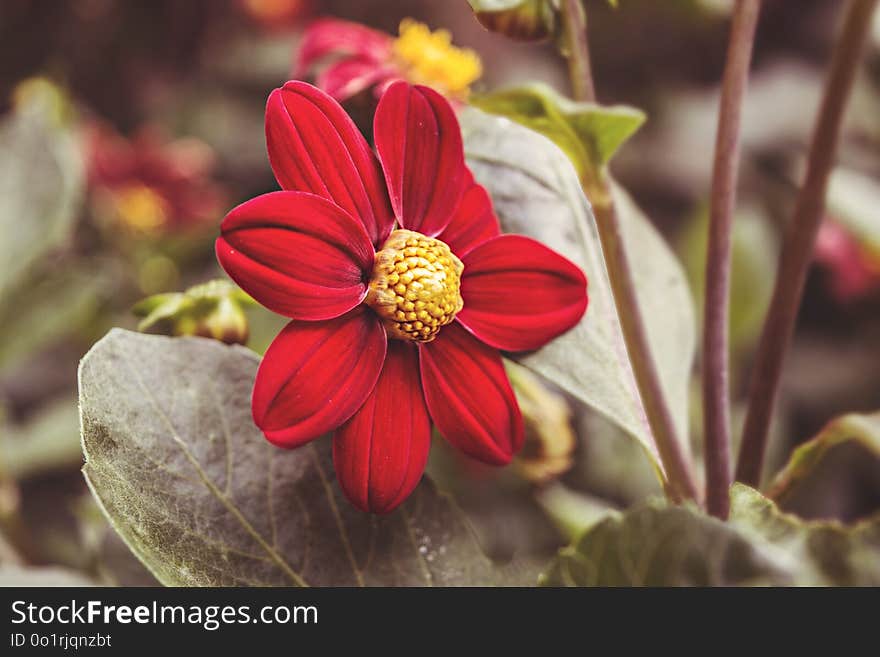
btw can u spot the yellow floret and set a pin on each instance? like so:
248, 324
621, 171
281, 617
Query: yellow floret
429, 58
416, 286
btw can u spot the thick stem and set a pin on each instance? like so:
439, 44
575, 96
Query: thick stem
801, 235
574, 23
716, 388
680, 482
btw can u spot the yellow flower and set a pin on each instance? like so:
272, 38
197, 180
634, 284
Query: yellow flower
429, 58
346, 58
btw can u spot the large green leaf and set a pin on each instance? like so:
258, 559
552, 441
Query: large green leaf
536, 192
814, 553
41, 184
862, 430
656, 544
659, 545
176, 463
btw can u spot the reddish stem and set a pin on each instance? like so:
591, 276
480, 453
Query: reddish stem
716, 387
801, 236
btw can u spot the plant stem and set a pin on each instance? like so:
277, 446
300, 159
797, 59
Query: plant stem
716, 388
680, 483
574, 23
801, 235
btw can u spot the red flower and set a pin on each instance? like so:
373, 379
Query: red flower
854, 272
362, 58
392, 329
151, 183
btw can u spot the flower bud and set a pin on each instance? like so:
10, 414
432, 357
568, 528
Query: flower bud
210, 310
521, 20
550, 440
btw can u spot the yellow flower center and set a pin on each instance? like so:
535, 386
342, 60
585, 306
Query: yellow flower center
416, 286
429, 58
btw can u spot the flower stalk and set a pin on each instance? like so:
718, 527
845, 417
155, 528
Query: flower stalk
715, 365
680, 484
574, 25
801, 237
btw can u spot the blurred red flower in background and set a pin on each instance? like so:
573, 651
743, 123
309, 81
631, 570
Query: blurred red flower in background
392, 329
854, 270
151, 184
275, 14
362, 58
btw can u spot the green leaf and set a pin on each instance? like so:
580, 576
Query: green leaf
41, 186
588, 133
660, 545
571, 511
198, 494
863, 430
815, 553
611, 465
536, 192
46, 443
754, 253
55, 302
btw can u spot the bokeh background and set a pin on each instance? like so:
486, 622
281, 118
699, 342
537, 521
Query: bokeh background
148, 115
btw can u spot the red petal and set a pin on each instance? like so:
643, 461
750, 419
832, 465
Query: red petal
419, 144
381, 452
315, 147
473, 223
296, 254
351, 76
469, 397
518, 294
335, 37
315, 375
